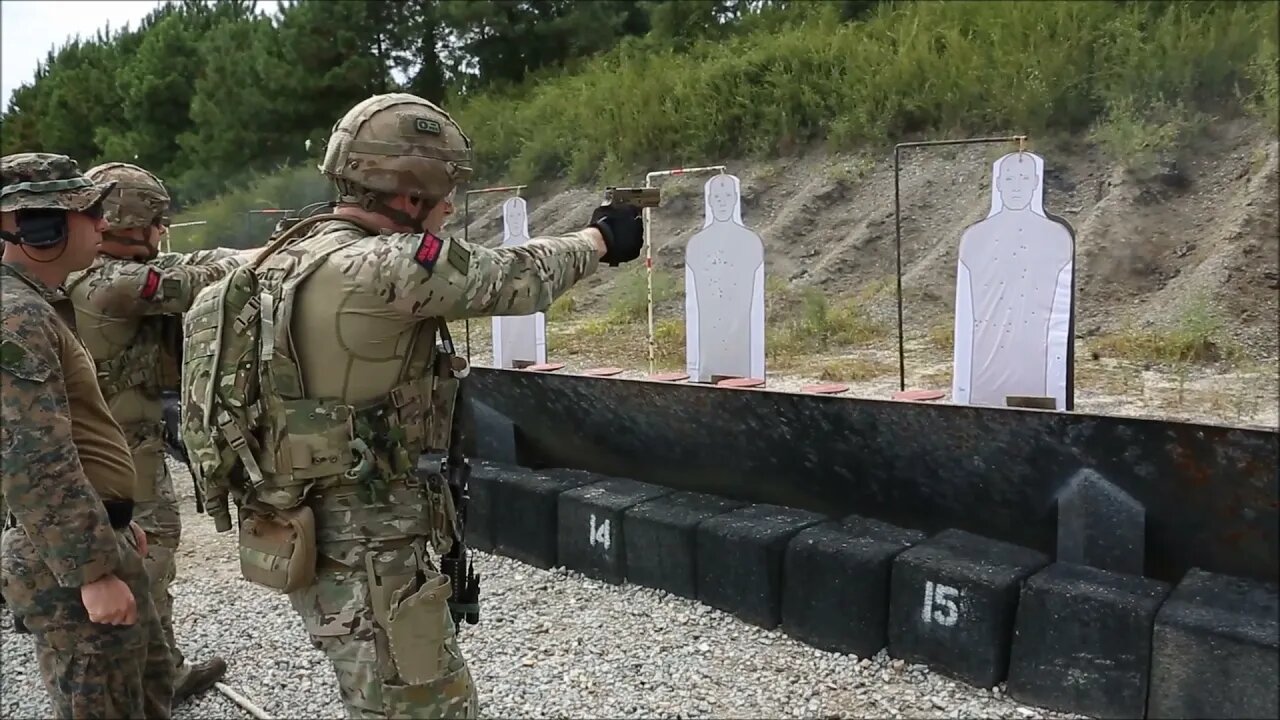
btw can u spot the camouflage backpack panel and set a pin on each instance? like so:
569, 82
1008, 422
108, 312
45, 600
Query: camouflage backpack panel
220, 388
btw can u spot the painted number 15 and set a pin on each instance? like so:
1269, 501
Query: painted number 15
940, 604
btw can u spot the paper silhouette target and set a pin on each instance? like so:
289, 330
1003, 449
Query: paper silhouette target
724, 290
518, 340
1014, 289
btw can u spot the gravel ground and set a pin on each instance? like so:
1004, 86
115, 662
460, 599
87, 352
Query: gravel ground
549, 644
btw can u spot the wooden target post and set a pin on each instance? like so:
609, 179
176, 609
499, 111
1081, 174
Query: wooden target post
648, 246
466, 226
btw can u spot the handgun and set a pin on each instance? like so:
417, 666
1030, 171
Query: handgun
649, 197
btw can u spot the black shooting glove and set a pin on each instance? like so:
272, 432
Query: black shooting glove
623, 231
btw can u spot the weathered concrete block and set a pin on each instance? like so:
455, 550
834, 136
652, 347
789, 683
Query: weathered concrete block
952, 603
1216, 650
525, 511
1082, 641
740, 558
484, 474
592, 533
1100, 525
836, 583
660, 538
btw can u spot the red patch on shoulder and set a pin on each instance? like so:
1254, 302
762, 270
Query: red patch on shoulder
151, 285
428, 251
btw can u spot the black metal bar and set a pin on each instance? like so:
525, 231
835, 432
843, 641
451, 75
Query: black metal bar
897, 248
897, 226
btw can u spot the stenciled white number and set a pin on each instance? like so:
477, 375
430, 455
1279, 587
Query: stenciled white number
940, 604
599, 535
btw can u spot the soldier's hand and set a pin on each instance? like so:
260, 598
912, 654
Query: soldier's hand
623, 229
109, 601
139, 537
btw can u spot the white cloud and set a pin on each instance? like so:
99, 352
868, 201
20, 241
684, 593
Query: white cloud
29, 29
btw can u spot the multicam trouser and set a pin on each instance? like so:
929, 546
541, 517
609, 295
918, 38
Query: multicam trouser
90, 670
378, 608
157, 513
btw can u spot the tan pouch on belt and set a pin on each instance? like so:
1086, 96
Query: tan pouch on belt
278, 550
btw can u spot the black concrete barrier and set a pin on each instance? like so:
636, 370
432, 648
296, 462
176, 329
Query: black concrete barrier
479, 530
952, 604
1216, 650
740, 555
835, 592
592, 534
660, 539
1208, 492
525, 513
1082, 641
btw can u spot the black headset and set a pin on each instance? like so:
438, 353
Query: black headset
41, 227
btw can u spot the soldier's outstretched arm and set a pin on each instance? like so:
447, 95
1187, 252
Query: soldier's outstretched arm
165, 286
44, 485
425, 276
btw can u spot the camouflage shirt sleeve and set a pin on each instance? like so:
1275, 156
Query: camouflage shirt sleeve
425, 276
164, 286
43, 482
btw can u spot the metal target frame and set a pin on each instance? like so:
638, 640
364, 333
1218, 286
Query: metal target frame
1021, 141
648, 246
466, 226
248, 215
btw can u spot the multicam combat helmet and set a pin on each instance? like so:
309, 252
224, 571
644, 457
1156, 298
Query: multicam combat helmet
48, 181
398, 144
138, 200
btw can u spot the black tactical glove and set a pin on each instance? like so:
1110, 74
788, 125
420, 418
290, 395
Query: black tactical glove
623, 231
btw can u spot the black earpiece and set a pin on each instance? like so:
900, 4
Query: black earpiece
41, 227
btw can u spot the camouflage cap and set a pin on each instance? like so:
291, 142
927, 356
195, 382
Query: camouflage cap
48, 181
138, 198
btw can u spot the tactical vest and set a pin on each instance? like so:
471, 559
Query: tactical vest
251, 432
136, 363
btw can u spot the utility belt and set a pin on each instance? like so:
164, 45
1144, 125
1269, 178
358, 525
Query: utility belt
278, 547
119, 513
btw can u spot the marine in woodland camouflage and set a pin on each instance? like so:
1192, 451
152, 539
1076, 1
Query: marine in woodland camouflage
64, 539
121, 308
128, 313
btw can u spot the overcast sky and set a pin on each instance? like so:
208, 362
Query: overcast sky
30, 28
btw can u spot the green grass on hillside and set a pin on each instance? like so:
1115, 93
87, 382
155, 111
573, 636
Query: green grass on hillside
1140, 76
913, 68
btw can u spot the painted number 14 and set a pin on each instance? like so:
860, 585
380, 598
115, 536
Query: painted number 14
599, 534
940, 604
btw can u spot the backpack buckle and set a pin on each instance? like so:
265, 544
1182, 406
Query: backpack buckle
231, 433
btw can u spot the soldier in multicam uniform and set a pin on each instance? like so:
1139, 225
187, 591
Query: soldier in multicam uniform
72, 565
128, 312
359, 296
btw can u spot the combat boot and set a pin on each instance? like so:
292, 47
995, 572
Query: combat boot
195, 679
